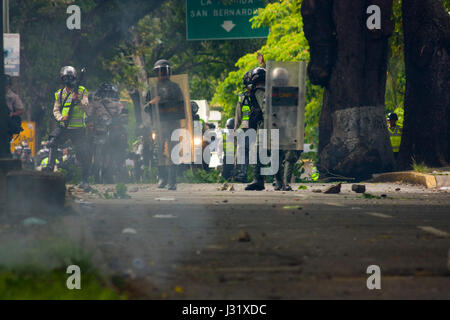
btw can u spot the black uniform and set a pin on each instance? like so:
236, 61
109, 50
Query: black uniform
171, 111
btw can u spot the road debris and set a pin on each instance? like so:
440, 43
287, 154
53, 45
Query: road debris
436, 232
333, 189
359, 188
133, 189
178, 289
317, 190
292, 207
243, 236
34, 222
129, 231
165, 199
223, 187
164, 216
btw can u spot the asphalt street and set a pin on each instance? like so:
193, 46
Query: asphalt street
202, 243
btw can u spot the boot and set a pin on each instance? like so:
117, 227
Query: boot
279, 184
258, 182
172, 178
288, 175
162, 184
162, 175
255, 186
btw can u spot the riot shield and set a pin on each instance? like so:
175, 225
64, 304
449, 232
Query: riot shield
285, 102
159, 125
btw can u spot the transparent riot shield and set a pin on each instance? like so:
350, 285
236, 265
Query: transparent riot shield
169, 101
285, 102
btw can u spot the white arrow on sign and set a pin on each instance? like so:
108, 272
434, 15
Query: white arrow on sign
228, 25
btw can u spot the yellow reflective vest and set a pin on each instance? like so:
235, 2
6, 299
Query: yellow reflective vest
396, 138
228, 147
78, 116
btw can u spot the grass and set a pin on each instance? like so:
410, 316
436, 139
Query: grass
420, 167
28, 284
34, 280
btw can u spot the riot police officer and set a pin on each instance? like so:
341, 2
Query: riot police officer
256, 120
109, 118
168, 98
69, 110
242, 120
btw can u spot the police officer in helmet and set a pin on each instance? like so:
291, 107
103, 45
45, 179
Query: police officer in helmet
109, 118
242, 121
169, 99
256, 121
395, 133
69, 110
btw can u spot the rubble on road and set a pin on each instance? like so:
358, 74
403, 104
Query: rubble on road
359, 188
243, 236
333, 189
129, 231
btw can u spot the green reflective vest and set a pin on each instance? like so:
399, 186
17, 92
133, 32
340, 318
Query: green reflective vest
44, 162
396, 138
228, 147
400, 112
245, 107
77, 117
315, 174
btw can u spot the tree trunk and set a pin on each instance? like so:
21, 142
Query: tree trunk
350, 61
426, 133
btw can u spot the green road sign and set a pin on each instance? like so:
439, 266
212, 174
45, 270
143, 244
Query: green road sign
222, 19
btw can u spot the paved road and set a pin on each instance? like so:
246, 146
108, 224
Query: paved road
201, 243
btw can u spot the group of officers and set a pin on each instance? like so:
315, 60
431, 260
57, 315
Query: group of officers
72, 109
250, 111
76, 115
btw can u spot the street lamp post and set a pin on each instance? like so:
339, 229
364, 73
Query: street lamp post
4, 114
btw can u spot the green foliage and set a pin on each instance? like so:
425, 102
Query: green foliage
370, 196
51, 285
150, 175
162, 35
121, 191
201, 176
72, 174
286, 42
420, 167
42, 275
298, 170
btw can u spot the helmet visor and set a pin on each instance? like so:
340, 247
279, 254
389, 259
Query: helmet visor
162, 71
68, 79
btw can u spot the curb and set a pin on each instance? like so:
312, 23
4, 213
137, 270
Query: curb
427, 180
